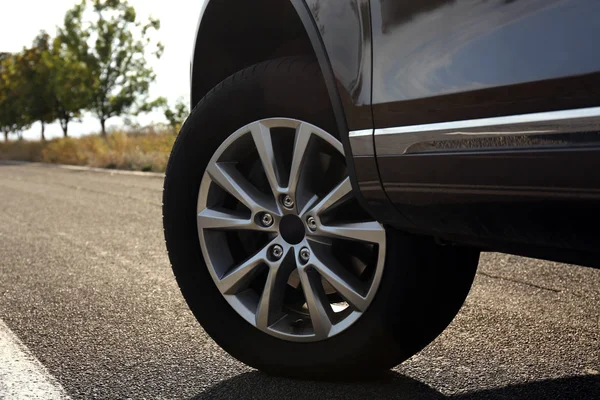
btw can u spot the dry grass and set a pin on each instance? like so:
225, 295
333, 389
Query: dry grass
141, 151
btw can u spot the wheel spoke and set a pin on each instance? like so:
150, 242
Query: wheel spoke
309, 204
371, 232
262, 139
303, 134
341, 192
317, 302
342, 280
241, 275
213, 219
232, 181
271, 301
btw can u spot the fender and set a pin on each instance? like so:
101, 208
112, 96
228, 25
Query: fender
338, 34
341, 37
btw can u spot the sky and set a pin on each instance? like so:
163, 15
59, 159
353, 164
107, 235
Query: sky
22, 20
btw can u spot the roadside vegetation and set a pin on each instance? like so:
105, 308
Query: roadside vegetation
144, 150
96, 65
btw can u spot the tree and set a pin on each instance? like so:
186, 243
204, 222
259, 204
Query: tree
5, 118
33, 74
71, 81
177, 116
113, 44
12, 118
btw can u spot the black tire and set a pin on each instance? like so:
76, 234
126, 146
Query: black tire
423, 284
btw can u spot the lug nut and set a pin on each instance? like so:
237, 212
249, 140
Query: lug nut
312, 223
277, 251
266, 220
287, 201
305, 254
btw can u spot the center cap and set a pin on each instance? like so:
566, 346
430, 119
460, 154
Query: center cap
291, 229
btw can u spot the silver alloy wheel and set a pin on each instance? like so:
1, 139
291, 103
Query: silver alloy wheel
329, 273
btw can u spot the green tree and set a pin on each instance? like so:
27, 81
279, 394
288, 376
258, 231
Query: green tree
71, 84
12, 116
5, 118
177, 115
33, 76
113, 43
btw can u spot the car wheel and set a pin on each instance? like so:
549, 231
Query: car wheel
273, 254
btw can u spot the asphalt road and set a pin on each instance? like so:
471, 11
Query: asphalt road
86, 286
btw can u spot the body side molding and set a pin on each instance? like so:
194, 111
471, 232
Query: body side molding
517, 131
361, 143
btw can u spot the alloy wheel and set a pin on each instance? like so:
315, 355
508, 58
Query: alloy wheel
285, 242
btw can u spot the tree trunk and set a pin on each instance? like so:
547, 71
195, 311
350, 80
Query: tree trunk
64, 124
6, 136
43, 131
103, 123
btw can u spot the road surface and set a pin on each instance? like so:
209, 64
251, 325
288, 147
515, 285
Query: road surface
88, 305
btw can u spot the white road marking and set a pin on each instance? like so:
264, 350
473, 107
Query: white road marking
22, 376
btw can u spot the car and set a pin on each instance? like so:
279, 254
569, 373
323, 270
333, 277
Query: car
346, 162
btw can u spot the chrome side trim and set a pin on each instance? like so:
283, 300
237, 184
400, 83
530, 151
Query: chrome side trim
363, 132
361, 143
461, 135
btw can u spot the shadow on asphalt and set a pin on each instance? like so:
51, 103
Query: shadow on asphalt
255, 385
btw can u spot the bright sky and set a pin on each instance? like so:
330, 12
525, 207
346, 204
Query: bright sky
23, 19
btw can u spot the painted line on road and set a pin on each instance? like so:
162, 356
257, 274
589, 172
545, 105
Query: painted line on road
90, 169
22, 376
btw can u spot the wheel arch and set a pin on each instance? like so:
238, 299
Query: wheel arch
227, 42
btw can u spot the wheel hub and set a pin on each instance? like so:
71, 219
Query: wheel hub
310, 255
292, 229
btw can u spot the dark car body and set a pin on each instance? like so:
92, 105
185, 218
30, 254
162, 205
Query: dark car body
475, 121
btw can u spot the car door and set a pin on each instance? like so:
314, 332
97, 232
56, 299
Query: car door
487, 119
